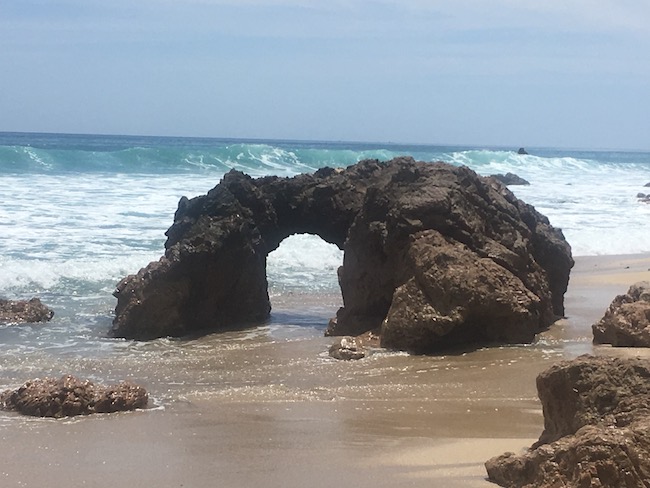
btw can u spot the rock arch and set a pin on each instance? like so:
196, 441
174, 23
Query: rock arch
434, 254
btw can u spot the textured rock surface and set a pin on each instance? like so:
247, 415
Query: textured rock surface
453, 297
69, 396
347, 348
24, 311
626, 322
404, 227
596, 428
511, 179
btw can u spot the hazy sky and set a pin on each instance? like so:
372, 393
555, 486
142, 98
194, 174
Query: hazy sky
503, 72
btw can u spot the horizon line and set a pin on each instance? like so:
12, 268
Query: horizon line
339, 141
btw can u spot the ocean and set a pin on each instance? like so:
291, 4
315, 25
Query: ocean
79, 212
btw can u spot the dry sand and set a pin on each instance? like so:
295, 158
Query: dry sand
436, 431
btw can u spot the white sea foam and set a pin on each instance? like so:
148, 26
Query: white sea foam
75, 220
304, 261
86, 227
593, 201
594, 204
83, 227
72, 231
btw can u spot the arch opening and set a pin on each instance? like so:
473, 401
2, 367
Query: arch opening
303, 282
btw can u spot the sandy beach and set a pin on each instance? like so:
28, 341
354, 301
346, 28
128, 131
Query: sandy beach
388, 420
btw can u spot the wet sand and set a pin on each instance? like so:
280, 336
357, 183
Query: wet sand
279, 413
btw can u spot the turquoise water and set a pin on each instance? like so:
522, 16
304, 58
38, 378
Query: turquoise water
591, 195
79, 212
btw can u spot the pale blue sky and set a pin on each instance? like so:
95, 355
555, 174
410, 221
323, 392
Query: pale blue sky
563, 73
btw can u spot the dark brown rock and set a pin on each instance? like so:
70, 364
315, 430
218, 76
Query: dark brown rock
594, 457
24, 311
626, 322
69, 396
121, 397
596, 428
488, 303
511, 179
347, 348
383, 215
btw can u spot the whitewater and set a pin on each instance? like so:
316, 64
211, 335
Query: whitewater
80, 212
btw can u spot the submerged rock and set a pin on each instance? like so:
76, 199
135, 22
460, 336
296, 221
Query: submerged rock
24, 311
347, 348
70, 396
434, 256
511, 179
626, 322
596, 428
643, 197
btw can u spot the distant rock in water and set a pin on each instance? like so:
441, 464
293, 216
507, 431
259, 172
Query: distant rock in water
511, 179
643, 197
596, 428
647, 185
70, 396
24, 311
522, 151
434, 256
626, 322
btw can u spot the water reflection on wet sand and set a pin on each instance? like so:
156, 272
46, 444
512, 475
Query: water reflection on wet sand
268, 407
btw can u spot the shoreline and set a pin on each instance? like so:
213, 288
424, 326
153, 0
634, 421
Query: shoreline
388, 420
619, 270
596, 280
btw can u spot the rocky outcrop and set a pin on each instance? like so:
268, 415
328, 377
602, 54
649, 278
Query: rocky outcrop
487, 302
626, 322
434, 256
24, 311
511, 179
522, 151
69, 396
596, 428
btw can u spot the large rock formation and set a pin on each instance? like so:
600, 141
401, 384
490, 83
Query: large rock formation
626, 322
24, 311
70, 396
434, 255
596, 428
